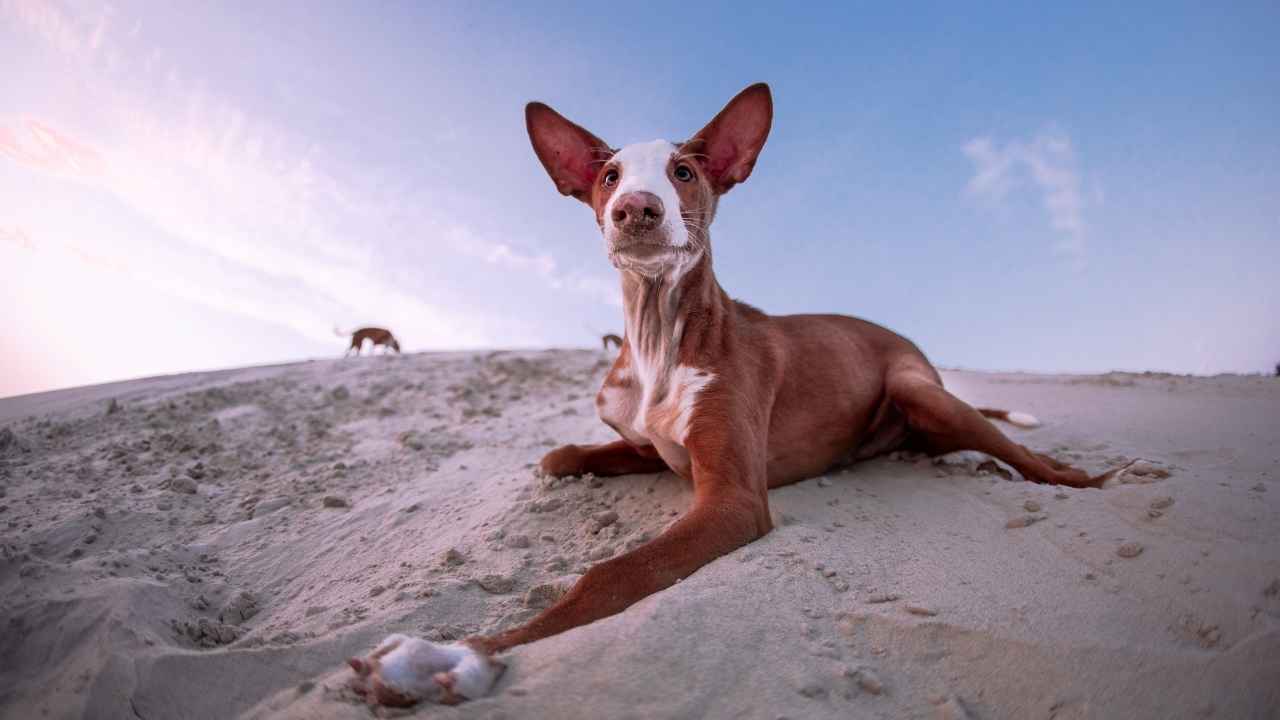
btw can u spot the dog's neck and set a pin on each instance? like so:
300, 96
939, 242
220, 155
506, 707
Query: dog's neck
682, 307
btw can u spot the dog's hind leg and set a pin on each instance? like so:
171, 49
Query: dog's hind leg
943, 423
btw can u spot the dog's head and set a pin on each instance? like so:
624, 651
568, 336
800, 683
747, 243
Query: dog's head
654, 201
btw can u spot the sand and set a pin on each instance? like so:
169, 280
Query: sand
215, 545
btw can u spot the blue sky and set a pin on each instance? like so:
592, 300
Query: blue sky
187, 186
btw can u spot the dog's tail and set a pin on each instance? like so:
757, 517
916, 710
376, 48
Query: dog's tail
1020, 419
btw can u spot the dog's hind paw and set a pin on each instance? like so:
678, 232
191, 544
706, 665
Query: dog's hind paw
404, 671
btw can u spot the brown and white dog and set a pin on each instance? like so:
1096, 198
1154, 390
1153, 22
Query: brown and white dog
378, 336
734, 400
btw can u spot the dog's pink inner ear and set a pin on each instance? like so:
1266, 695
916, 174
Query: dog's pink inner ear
359, 665
729, 145
572, 156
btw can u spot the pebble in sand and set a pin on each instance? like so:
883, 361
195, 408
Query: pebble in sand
1130, 550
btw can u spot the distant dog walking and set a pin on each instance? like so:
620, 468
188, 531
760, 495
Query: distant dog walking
378, 336
617, 341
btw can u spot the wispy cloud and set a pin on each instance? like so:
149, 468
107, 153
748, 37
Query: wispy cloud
540, 264
17, 237
263, 222
1046, 162
51, 23
40, 147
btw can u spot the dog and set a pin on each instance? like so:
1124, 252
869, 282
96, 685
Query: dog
611, 338
379, 336
732, 399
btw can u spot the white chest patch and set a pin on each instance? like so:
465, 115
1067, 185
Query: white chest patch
668, 416
642, 418
644, 168
687, 383
618, 406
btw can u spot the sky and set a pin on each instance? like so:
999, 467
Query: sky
213, 184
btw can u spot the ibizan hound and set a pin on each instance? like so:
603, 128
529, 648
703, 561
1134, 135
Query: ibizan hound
376, 335
718, 392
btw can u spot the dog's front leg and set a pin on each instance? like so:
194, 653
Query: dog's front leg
730, 510
615, 458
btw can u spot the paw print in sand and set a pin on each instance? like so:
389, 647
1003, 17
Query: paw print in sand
404, 671
1137, 472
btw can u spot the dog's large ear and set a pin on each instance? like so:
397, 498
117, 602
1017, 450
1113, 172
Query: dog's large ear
572, 156
729, 145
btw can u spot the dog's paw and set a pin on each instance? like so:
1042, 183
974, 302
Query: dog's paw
404, 671
563, 461
472, 676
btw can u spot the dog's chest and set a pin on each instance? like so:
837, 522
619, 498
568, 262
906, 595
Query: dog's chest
653, 405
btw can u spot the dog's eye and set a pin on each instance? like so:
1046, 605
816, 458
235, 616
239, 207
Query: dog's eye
611, 178
683, 173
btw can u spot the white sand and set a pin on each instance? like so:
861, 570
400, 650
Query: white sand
121, 595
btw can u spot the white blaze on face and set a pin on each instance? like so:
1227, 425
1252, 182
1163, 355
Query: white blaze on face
644, 168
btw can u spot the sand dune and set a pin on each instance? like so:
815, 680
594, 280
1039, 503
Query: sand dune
216, 544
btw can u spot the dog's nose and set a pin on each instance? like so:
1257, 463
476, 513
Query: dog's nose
637, 210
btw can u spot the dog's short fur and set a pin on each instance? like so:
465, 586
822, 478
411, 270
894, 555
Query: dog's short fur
716, 391
720, 393
378, 336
